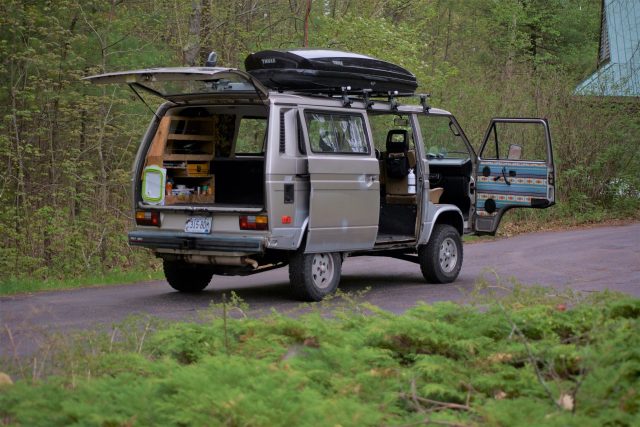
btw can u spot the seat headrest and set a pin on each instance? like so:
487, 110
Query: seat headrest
397, 141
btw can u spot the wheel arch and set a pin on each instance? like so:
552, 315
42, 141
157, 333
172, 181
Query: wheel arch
442, 214
452, 218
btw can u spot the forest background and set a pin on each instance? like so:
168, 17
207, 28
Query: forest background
66, 147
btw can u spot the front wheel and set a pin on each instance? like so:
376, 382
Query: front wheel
314, 276
186, 277
441, 258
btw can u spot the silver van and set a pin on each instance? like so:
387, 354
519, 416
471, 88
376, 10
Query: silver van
234, 178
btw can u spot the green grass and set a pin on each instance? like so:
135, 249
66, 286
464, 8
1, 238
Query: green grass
529, 357
23, 285
568, 215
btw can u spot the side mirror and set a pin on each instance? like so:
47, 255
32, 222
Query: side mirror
515, 152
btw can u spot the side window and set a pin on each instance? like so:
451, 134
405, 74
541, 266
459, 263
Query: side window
516, 141
336, 133
441, 138
251, 135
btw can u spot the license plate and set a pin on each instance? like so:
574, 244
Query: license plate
198, 224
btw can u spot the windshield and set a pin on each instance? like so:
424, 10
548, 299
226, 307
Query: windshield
441, 138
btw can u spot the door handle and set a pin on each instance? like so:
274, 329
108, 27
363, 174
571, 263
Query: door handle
369, 180
504, 175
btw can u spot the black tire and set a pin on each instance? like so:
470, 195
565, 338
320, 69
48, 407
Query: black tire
441, 258
314, 276
189, 278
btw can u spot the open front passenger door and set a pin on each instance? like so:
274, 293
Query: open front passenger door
514, 170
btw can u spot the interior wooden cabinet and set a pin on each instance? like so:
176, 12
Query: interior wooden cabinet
184, 146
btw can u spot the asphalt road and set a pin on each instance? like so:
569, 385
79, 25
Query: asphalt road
588, 260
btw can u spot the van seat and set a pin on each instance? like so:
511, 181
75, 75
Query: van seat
397, 185
435, 194
401, 199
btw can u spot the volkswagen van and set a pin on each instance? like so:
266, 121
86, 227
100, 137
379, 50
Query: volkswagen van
297, 165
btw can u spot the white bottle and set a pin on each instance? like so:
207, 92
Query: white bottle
411, 179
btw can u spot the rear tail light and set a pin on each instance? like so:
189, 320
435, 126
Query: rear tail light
254, 222
148, 218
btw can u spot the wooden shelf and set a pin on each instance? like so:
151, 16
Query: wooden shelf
190, 199
189, 137
172, 147
186, 157
191, 119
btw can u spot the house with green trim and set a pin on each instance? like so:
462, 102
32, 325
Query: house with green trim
618, 72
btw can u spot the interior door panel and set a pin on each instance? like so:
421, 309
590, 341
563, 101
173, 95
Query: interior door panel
527, 185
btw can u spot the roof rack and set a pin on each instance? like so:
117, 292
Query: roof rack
365, 95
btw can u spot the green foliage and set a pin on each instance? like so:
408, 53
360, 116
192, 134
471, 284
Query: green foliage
65, 146
15, 285
509, 363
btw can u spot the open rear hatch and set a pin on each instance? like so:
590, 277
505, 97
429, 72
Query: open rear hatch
207, 152
182, 84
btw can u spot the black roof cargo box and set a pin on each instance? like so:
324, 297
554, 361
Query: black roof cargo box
324, 70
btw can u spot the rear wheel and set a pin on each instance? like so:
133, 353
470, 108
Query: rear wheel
314, 276
185, 277
441, 258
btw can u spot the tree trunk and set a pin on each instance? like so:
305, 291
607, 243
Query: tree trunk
20, 186
508, 69
307, 14
448, 39
191, 51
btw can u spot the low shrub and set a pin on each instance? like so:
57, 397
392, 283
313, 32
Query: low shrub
528, 357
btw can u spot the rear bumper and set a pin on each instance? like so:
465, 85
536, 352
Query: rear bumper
195, 242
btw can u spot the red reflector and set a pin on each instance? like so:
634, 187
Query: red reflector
286, 219
244, 224
148, 218
253, 222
